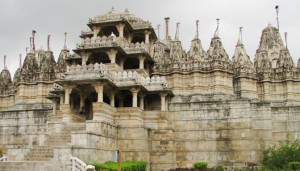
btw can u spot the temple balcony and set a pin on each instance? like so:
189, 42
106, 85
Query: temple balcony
119, 79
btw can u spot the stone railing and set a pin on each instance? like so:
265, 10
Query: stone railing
130, 48
133, 78
121, 79
98, 42
155, 83
3, 158
78, 165
140, 24
91, 71
112, 41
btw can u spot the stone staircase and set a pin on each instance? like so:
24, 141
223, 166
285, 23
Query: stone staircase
41, 158
34, 166
40, 153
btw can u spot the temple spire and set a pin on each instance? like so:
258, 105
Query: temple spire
167, 27
65, 45
197, 31
33, 37
277, 12
240, 41
158, 25
217, 29
48, 43
4, 64
177, 31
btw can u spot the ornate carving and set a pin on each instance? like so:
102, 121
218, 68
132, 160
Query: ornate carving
30, 69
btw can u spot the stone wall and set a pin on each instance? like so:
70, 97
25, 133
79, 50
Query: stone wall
211, 82
33, 92
6, 101
228, 131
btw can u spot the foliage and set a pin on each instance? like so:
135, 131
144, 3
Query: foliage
294, 165
278, 157
126, 166
200, 165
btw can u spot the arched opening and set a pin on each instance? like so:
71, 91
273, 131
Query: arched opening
75, 101
131, 63
140, 37
81, 100
99, 57
106, 31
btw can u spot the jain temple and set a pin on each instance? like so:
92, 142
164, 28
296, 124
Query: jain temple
123, 88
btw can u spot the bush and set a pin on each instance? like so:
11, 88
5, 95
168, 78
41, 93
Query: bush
200, 165
279, 157
294, 165
126, 166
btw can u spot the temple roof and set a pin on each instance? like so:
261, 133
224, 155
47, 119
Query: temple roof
5, 77
240, 59
196, 51
114, 16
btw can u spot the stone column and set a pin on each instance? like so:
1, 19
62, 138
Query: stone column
147, 34
134, 96
85, 56
67, 94
112, 55
82, 98
112, 98
62, 100
163, 101
120, 28
142, 96
141, 62
96, 30
99, 89
54, 106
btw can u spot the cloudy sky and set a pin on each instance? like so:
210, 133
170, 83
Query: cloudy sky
19, 17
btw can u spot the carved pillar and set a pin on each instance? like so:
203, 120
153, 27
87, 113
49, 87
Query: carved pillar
163, 101
67, 94
112, 55
142, 96
99, 89
82, 98
134, 92
54, 106
85, 56
141, 62
120, 28
112, 98
62, 100
147, 34
96, 30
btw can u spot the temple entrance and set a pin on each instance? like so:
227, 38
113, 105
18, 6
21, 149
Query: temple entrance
81, 100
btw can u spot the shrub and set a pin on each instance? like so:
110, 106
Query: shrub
294, 165
200, 165
126, 166
279, 157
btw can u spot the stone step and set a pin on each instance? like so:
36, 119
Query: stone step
40, 153
35, 166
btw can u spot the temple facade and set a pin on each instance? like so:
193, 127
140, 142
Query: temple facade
123, 88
